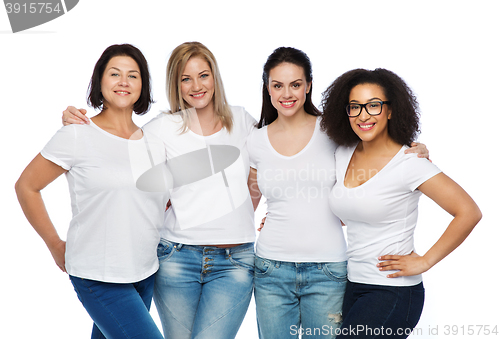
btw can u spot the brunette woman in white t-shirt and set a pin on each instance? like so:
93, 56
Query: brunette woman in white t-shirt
205, 281
300, 265
373, 116
110, 252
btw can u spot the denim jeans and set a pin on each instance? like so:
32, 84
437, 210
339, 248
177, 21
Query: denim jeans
377, 311
203, 292
118, 310
293, 298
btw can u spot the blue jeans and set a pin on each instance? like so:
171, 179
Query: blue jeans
378, 311
293, 298
203, 292
118, 310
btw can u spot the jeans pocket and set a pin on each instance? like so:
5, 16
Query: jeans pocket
263, 267
336, 271
243, 259
165, 250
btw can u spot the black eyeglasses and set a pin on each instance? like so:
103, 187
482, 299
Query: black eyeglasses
372, 108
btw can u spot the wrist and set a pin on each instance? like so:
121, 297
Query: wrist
53, 242
427, 262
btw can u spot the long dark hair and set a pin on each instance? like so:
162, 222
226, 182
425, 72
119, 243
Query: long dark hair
279, 56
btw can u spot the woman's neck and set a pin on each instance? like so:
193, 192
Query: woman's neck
205, 122
378, 147
117, 122
295, 122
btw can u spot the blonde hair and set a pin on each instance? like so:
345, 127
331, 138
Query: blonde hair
176, 63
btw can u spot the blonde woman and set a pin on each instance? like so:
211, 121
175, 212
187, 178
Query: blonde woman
205, 281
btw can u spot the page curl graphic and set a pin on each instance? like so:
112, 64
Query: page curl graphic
28, 14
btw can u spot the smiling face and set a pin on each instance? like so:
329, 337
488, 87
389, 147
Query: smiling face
288, 88
197, 84
368, 127
121, 83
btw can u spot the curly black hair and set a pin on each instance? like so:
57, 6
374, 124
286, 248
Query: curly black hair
278, 56
404, 123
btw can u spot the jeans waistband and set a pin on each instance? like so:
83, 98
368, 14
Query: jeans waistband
278, 263
215, 250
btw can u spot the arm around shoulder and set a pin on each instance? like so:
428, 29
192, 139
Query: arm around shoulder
72, 115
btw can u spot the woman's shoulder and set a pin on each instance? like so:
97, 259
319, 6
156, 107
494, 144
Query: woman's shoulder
161, 122
241, 114
258, 133
169, 116
412, 161
73, 131
344, 150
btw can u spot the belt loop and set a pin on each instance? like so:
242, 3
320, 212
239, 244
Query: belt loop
228, 252
277, 263
178, 246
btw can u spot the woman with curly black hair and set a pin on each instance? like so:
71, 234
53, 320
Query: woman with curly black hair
374, 117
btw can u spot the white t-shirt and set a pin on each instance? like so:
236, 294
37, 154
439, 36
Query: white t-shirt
380, 215
113, 235
300, 227
211, 204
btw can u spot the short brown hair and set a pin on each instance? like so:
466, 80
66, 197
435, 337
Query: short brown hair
94, 95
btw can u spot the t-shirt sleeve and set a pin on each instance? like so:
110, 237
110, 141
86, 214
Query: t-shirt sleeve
251, 150
62, 147
417, 171
154, 126
250, 122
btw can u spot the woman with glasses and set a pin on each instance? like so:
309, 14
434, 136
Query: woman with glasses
373, 116
300, 264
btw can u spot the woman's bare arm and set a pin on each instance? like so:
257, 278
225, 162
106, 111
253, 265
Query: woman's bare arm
37, 175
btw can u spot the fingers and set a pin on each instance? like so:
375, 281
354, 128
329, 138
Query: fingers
74, 116
404, 265
388, 266
262, 224
420, 149
389, 257
391, 263
72, 120
412, 148
395, 275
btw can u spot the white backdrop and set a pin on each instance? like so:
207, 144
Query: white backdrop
447, 51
